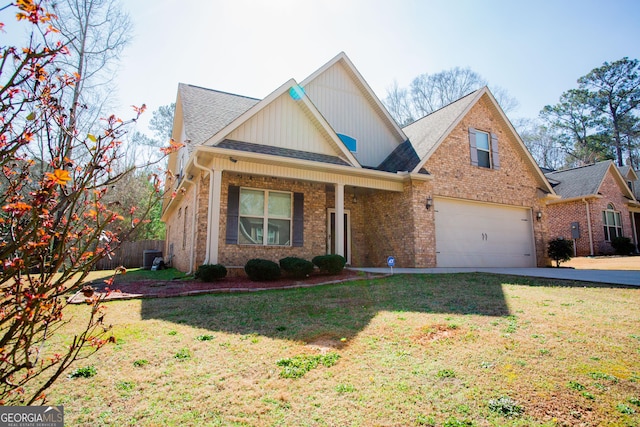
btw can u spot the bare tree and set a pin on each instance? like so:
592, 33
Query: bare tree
542, 143
430, 92
95, 32
55, 221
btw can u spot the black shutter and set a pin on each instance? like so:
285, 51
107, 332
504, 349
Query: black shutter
472, 147
298, 219
494, 151
233, 210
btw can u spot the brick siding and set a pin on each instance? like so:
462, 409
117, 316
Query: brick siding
561, 215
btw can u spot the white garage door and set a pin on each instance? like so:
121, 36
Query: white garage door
470, 234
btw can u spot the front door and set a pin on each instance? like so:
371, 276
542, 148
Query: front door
331, 230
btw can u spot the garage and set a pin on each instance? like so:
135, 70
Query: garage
473, 234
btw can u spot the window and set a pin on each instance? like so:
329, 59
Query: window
482, 145
484, 149
349, 142
261, 210
612, 223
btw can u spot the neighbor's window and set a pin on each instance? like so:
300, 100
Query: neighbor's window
612, 223
262, 210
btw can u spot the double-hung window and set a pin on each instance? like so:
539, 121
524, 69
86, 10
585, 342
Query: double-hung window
612, 223
265, 217
484, 152
484, 149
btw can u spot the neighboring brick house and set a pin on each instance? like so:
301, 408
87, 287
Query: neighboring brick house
596, 205
633, 182
321, 167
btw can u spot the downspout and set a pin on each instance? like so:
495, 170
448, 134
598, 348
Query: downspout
193, 225
199, 166
589, 226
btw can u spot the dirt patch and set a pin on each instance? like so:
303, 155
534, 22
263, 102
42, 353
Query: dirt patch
325, 343
563, 409
432, 333
172, 288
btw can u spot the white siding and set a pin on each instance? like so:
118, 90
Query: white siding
283, 123
349, 112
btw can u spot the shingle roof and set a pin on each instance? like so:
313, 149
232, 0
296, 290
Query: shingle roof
402, 158
208, 111
581, 181
282, 152
425, 133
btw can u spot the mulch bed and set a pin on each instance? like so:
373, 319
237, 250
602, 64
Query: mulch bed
173, 288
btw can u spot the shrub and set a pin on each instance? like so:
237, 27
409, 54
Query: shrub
262, 269
211, 272
297, 267
506, 407
560, 250
622, 245
333, 264
85, 372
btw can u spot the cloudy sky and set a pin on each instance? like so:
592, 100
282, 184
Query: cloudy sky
534, 49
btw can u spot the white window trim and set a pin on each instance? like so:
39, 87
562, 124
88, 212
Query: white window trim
265, 217
488, 150
617, 217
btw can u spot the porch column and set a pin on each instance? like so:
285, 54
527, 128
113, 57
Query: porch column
339, 237
214, 214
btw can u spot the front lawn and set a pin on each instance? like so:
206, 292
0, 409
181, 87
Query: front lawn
430, 350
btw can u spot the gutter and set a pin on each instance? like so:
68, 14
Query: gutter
199, 166
193, 225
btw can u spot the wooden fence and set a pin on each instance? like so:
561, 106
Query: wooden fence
130, 254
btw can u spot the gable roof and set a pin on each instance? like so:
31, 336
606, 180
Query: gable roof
628, 173
585, 181
369, 94
207, 111
429, 132
305, 104
403, 158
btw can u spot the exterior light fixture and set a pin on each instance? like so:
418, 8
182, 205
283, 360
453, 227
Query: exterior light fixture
429, 202
233, 160
539, 215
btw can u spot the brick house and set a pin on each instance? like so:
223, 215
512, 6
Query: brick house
596, 205
633, 182
321, 167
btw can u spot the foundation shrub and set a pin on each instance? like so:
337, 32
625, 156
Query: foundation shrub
296, 267
332, 264
622, 245
261, 270
211, 272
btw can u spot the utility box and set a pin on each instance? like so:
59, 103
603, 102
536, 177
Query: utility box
575, 230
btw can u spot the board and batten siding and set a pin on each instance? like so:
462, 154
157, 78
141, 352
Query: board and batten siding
283, 123
350, 113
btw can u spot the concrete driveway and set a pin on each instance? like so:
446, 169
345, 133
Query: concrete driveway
617, 277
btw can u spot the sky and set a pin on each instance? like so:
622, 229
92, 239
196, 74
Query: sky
534, 49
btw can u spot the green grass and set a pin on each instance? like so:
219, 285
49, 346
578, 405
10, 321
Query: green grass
434, 350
